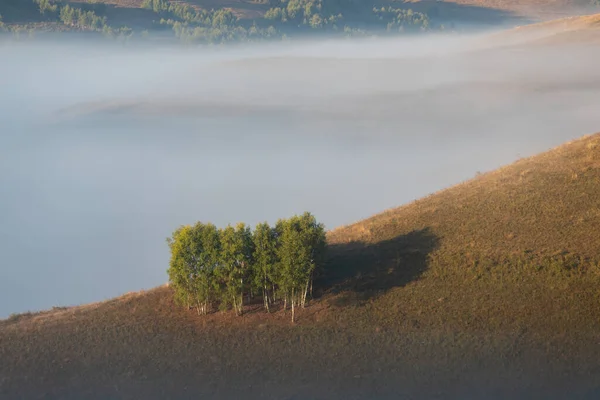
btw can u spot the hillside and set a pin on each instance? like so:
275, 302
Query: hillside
534, 9
212, 21
578, 30
486, 289
216, 21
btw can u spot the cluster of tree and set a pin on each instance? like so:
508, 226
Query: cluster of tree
181, 12
400, 20
76, 17
85, 17
337, 15
285, 19
215, 26
304, 13
157, 6
210, 265
221, 33
46, 5
16, 30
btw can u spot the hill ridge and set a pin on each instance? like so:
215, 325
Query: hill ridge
468, 293
591, 141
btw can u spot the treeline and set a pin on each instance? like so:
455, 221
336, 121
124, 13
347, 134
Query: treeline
85, 17
284, 19
79, 18
215, 26
346, 16
211, 266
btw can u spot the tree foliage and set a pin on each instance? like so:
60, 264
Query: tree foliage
284, 19
46, 6
79, 18
224, 266
157, 6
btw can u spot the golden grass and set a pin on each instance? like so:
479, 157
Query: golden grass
569, 30
490, 285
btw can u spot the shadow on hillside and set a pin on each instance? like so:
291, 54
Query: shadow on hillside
447, 12
19, 11
371, 269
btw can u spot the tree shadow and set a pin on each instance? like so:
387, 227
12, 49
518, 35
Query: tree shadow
371, 269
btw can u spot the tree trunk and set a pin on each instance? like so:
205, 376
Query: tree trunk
305, 293
266, 298
241, 296
293, 318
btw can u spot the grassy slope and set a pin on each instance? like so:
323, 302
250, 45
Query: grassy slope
581, 30
497, 249
535, 9
488, 288
129, 13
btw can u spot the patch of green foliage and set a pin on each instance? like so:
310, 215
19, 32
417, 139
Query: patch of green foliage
209, 264
401, 20
344, 16
286, 18
83, 17
157, 6
46, 6
76, 17
193, 25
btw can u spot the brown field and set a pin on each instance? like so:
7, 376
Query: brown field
487, 289
536, 9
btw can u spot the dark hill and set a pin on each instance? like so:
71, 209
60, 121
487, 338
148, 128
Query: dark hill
489, 289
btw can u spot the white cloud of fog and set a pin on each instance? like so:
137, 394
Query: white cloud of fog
104, 151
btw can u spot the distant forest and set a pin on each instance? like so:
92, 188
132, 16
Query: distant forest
178, 20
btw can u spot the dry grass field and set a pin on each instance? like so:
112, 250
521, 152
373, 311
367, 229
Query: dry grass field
490, 288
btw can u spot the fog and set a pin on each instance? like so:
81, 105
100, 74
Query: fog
105, 150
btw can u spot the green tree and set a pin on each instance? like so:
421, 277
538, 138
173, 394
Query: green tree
265, 260
207, 251
222, 18
194, 262
316, 21
46, 5
235, 268
301, 249
181, 265
293, 8
157, 6
315, 242
66, 15
292, 258
276, 13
